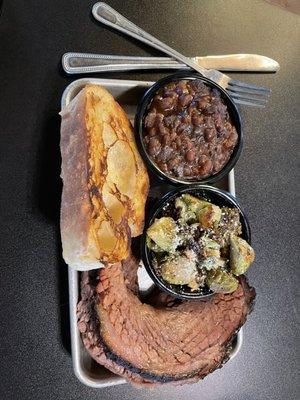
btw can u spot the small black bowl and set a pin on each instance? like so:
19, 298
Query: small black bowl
139, 127
216, 196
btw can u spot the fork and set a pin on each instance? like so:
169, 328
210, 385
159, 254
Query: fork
241, 92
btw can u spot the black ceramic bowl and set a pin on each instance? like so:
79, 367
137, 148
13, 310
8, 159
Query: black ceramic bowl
139, 127
209, 193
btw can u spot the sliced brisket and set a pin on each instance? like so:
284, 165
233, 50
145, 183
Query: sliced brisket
172, 342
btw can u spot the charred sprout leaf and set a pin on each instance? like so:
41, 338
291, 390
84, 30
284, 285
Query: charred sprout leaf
241, 255
209, 216
220, 281
163, 232
180, 269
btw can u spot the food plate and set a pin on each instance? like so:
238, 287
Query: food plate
127, 93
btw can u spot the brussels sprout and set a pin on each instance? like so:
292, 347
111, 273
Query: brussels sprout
189, 207
178, 269
221, 281
211, 254
163, 232
209, 216
241, 255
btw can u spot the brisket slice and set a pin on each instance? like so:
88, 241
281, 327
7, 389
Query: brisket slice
174, 341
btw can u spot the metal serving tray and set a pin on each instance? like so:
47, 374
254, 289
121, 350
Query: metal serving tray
127, 93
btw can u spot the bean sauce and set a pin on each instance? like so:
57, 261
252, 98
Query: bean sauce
188, 132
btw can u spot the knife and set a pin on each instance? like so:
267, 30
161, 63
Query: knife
81, 63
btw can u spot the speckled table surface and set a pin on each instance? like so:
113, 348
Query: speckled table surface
35, 362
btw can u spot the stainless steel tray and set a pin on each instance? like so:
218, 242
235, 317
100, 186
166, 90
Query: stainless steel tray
128, 94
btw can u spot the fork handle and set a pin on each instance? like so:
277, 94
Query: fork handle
108, 16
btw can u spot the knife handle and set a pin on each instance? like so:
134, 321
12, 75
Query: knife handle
82, 63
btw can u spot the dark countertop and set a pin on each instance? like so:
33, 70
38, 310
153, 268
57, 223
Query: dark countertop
35, 362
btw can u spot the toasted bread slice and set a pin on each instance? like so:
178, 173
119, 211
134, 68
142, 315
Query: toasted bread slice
105, 183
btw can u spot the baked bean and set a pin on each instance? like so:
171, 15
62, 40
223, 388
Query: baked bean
152, 131
184, 100
166, 140
178, 141
172, 163
166, 103
173, 136
188, 130
202, 158
187, 171
190, 155
209, 134
202, 103
197, 119
149, 120
154, 146
162, 129
163, 167
207, 167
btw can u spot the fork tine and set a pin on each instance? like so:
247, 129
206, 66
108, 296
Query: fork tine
241, 84
239, 89
248, 103
247, 96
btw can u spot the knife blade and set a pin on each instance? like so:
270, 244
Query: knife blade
80, 63
239, 62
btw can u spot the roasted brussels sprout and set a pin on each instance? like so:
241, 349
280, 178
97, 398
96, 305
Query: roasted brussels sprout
180, 269
241, 255
209, 216
211, 258
162, 235
187, 206
193, 203
221, 281
197, 210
